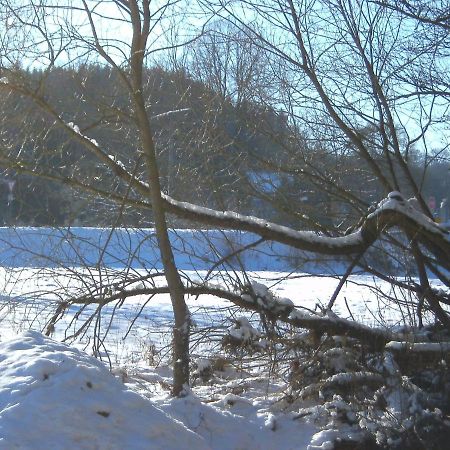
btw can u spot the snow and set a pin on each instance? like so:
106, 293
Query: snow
396, 196
138, 248
117, 161
170, 113
419, 347
323, 440
396, 202
266, 299
244, 331
203, 364
64, 398
234, 423
74, 127
53, 396
77, 130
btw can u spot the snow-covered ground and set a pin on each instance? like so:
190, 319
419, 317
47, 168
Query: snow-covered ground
55, 396
29, 298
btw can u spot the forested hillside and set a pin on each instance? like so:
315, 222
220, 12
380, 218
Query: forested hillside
214, 150
205, 144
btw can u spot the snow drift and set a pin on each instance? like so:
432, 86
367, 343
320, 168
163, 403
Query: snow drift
53, 396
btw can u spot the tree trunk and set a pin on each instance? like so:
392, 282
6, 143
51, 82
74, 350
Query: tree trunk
180, 347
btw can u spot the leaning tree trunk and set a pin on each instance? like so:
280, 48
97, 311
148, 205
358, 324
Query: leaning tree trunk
141, 29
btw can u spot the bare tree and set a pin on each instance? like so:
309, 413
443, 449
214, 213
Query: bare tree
229, 63
337, 69
54, 31
346, 73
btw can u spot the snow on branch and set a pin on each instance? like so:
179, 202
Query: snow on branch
343, 380
256, 297
393, 211
413, 355
438, 348
170, 113
332, 324
271, 304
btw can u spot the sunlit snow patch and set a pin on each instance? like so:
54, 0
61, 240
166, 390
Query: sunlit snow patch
53, 396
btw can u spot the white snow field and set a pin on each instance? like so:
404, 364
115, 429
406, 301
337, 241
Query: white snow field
57, 397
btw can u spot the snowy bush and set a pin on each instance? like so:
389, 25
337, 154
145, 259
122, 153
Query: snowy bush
243, 339
369, 395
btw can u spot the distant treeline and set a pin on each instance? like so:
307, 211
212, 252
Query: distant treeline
212, 152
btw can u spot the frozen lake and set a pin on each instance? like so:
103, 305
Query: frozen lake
138, 249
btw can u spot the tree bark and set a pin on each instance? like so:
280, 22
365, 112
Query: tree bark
141, 29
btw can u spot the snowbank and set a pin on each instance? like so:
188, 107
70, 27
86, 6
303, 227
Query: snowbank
53, 396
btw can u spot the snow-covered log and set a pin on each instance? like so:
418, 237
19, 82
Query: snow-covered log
257, 297
393, 211
376, 338
417, 355
343, 381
